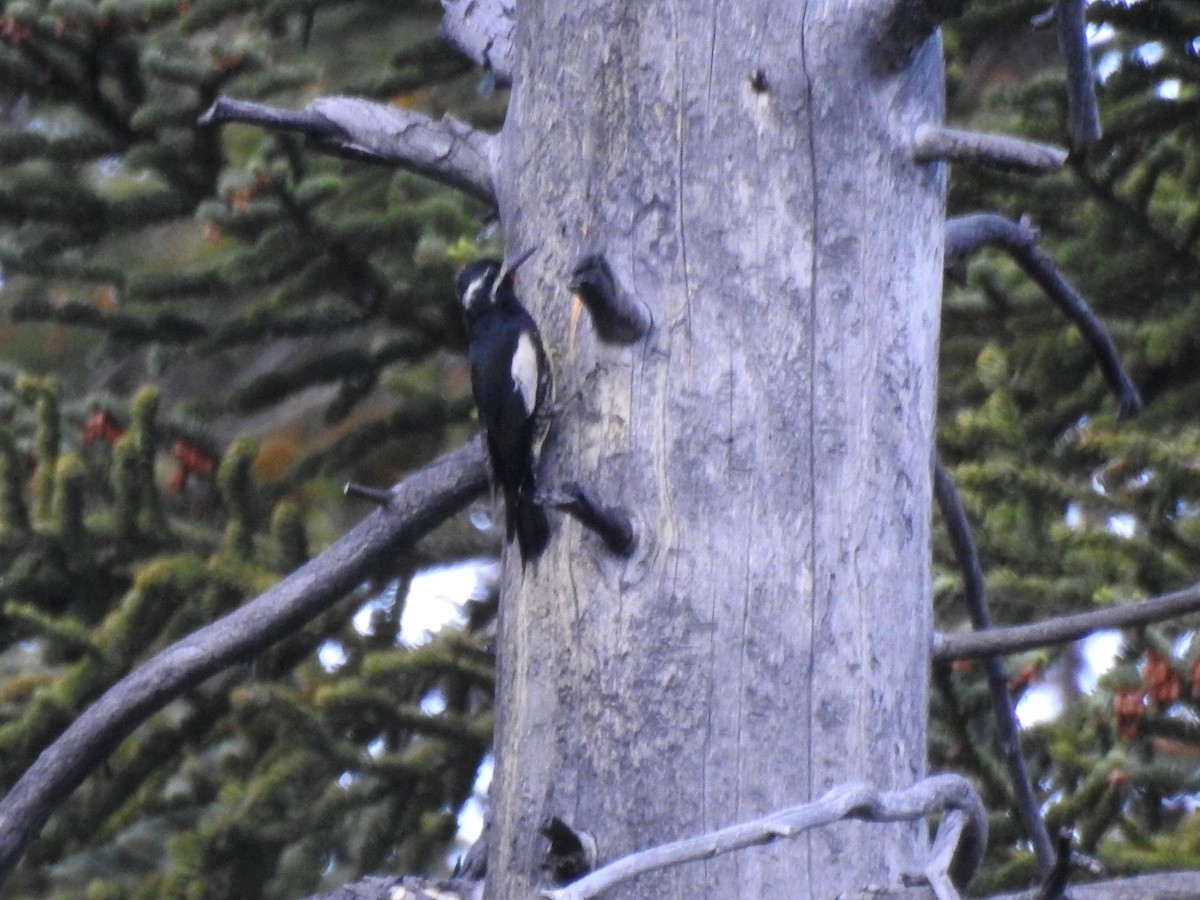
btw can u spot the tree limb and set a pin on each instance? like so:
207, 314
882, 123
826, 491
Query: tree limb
848, 801
448, 151
1007, 728
1081, 81
1158, 886
968, 233
482, 31
1063, 629
416, 505
932, 143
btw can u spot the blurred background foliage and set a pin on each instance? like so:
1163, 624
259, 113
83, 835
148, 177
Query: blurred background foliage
1073, 509
206, 333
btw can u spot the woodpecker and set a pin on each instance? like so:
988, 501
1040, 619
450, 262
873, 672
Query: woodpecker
510, 378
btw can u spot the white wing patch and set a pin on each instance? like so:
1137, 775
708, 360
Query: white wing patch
525, 371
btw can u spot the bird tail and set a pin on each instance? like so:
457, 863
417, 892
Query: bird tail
532, 527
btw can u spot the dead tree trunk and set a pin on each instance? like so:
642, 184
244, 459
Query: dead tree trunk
748, 175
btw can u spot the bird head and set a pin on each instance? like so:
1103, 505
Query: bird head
479, 282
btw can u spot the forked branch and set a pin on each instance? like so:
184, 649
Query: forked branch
416, 506
448, 151
968, 233
849, 801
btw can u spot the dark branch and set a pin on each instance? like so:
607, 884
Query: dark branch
1008, 729
909, 25
448, 151
482, 31
571, 853
932, 143
1081, 82
968, 233
417, 505
618, 317
612, 525
1063, 629
1054, 883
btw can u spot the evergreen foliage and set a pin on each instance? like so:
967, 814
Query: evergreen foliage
1073, 508
295, 316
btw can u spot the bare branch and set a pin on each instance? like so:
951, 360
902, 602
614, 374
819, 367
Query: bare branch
1063, 629
482, 31
849, 801
1158, 886
1008, 730
1081, 82
448, 151
967, 233
933, 142
417, 504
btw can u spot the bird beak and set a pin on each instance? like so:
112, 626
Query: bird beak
509, 269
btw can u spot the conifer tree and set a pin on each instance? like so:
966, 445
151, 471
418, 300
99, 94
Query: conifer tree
291, 318
1074, 508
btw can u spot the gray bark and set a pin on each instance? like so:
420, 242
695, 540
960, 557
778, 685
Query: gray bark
771, 436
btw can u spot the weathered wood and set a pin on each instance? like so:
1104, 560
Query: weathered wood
771, 436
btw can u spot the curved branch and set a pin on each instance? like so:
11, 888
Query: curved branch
1063, 629
932, 143
448, 151
968, 233
482, 31
1081, 82
1008, 729
848, 801
416, 505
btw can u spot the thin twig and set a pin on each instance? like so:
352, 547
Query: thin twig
417, 505
1008, 729
1063, 629
448, 151
1081, 81
482, 31
849, 801
968, 233
933, 142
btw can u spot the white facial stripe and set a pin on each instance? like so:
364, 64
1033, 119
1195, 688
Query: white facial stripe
473, 290
525, 371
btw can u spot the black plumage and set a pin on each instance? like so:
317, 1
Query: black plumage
511, 380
